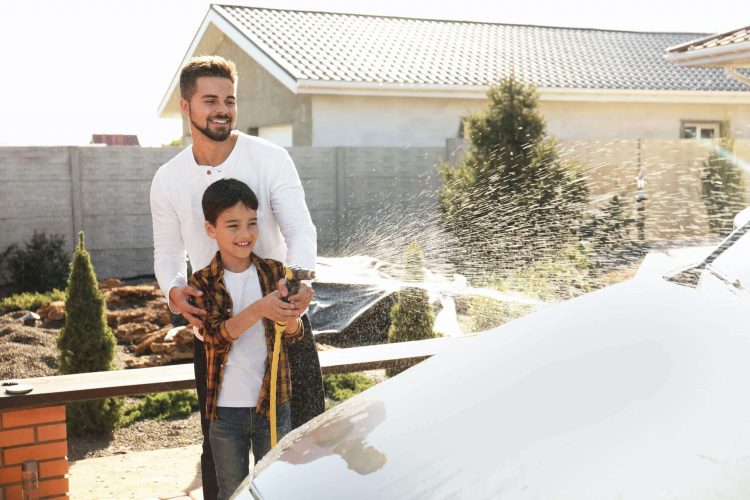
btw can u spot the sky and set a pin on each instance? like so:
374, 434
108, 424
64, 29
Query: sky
73, 68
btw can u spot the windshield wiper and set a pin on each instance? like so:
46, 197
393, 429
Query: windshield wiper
691, 276
736, 284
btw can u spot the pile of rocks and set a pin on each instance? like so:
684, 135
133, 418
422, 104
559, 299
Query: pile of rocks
141, 322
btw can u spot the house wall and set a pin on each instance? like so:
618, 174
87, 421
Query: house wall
601, 120
356, 121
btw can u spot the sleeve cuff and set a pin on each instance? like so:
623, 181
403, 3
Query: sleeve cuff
224, 334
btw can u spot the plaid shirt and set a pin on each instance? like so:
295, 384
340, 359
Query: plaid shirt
218, 305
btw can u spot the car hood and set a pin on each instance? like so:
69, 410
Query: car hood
635, 391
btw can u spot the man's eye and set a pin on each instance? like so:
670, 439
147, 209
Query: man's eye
232, 226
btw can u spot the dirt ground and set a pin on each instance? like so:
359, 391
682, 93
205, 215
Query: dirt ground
166, 473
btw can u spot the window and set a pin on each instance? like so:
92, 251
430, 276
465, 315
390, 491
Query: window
278, 134
700, 130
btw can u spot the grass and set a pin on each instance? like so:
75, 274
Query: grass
340, 387
161, 406
29, 301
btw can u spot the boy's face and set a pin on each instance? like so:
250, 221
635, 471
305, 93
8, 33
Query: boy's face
235, 232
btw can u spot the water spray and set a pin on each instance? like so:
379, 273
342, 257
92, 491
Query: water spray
293, 277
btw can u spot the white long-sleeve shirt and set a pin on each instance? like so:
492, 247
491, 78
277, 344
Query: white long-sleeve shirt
286, 231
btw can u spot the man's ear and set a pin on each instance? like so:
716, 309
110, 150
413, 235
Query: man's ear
185, 107
210, 230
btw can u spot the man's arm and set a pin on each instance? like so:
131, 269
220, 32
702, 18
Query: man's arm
170, 263
293, 217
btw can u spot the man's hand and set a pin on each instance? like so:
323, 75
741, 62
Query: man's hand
179, 296
301, 300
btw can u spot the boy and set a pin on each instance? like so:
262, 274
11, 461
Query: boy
240, 295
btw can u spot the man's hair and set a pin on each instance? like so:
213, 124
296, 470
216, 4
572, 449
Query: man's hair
224, 194
204, 66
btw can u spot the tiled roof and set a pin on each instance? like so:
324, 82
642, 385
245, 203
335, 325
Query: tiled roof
374, 49
723, 39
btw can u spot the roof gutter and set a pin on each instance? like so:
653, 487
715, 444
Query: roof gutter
735, 55
549, 94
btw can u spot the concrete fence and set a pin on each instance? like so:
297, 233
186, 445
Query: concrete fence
357, 196
105, 192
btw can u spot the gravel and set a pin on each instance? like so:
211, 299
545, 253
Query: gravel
26, 351
142, 435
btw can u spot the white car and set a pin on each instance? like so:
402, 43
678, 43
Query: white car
636, 391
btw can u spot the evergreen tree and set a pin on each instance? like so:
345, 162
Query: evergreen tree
412, 316
723, 188
609, 233
512, 200
87, 344
41, 266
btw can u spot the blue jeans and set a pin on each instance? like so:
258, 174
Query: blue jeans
234, 434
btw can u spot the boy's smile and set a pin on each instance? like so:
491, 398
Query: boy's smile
235, 232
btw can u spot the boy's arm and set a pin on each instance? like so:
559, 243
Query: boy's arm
213, 324
295, 330
271, 307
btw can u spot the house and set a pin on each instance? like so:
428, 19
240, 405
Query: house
115, 139
329, 79
730, 50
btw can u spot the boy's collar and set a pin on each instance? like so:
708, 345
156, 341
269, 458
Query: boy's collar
217, 269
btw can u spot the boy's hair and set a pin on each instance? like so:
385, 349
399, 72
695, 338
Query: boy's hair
204, 66
224, 194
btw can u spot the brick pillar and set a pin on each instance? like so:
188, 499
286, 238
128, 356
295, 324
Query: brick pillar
40, 435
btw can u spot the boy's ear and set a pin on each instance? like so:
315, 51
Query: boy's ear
210, 230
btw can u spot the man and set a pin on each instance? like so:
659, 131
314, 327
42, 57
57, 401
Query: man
209, 102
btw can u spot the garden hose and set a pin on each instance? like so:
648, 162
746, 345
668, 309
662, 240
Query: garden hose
293, 276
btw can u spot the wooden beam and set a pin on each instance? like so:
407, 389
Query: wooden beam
49, 391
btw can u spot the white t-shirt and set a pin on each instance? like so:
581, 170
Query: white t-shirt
286, 231
246, 363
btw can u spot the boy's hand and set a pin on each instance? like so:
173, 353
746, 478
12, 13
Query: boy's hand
275, 309
301, 300
180, 298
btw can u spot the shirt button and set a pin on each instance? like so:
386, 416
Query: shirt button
209, 172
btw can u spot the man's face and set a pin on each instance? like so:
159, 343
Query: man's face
213, 108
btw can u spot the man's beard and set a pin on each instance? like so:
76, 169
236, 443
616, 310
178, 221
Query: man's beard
216, 135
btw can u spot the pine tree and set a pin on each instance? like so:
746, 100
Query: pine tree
608, 233
87, 344
412, 316
512, 200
